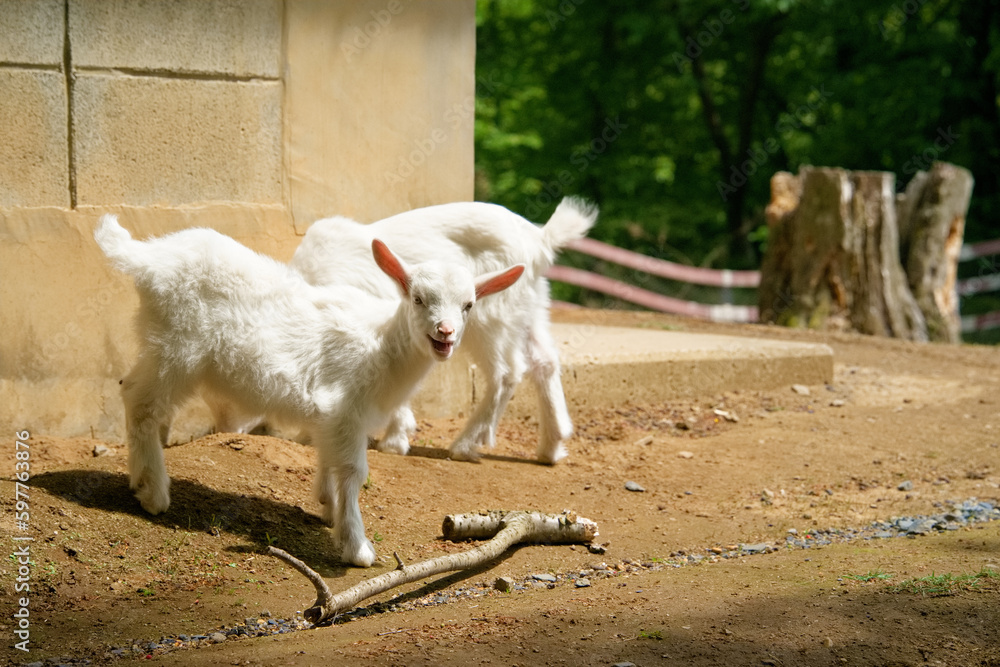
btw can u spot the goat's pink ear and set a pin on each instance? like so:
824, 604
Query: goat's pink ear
391, 265
491, 283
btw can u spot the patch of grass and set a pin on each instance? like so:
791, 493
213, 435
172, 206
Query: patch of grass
871, 575
377, 537
651, 634
146, 591
939, 585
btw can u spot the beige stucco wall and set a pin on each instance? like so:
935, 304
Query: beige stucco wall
253, 117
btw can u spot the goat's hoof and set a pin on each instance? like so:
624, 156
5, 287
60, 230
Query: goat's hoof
462, 454
153, 500
361, 555
399, 446
551, 456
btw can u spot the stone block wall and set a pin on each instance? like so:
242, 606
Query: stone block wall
254, 117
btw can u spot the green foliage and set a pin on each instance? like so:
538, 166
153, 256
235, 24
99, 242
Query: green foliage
673, 114
936, 585
871, 575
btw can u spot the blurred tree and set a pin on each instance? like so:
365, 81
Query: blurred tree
674, 114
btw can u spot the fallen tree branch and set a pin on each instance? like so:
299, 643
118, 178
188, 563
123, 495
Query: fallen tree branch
505, 528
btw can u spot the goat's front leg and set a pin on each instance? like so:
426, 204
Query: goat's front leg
343, 468
480, 430
397, 433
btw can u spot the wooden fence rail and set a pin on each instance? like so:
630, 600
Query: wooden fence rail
726, 279
989, 282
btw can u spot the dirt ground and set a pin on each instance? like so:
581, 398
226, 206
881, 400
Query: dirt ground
104, 574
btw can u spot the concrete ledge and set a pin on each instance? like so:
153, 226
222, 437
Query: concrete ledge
610, 366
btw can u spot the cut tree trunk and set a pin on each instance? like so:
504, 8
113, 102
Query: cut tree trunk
506, 529
833, 255
932, 221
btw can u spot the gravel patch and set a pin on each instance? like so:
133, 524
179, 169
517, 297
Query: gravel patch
953, 516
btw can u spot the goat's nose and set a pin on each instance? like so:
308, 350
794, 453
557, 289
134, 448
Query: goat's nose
446, 329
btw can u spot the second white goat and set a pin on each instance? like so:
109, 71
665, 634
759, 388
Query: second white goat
507, 337
335, 361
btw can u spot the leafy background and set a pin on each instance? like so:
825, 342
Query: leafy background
673, 114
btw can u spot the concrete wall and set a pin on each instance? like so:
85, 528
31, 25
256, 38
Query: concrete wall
254, 117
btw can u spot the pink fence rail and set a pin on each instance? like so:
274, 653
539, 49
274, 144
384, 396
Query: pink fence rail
663, 269
989, 282
726, 279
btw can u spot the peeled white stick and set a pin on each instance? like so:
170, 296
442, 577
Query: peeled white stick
506, 529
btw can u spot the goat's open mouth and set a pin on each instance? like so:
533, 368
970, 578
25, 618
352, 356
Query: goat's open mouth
442, 348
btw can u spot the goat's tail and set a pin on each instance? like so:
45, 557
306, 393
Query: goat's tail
118, 244
572, 220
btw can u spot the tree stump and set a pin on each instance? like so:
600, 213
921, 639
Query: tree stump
833, 257
932, 222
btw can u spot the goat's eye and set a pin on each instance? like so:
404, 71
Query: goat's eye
417, 301
467, 307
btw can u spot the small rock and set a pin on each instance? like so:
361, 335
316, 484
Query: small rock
217, 637
905, 486
644, 441
582, 583
504, 584
547, 578
685, 455
597, 548
801, 389
633, 486
754, 548
623, 664
728, 416
101, 450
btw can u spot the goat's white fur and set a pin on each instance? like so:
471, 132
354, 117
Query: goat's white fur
338, 362
507, 336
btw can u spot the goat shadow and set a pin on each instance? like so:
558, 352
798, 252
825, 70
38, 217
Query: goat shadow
445, 455
196, 507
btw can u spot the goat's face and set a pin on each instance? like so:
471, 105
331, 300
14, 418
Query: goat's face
441, 298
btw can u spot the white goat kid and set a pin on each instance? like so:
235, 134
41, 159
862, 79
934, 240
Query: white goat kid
507, 336
335, 361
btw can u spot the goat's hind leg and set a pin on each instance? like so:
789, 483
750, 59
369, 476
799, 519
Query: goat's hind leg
149, 407
555, 424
